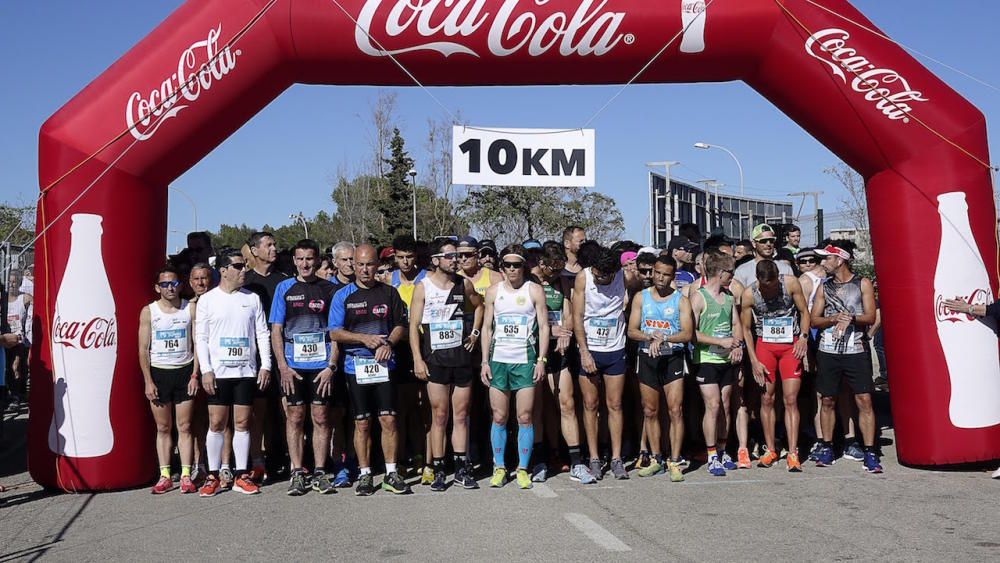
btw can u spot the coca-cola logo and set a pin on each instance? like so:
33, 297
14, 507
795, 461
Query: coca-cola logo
95, 333
944, 314
589, 30
884, 87
198, 69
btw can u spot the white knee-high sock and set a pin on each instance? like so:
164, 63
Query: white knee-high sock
241, 449
213, 447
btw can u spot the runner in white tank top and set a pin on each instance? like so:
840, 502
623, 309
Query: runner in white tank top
167, 361
515, 342
599, 301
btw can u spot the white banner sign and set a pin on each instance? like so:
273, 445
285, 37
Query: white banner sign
523, 157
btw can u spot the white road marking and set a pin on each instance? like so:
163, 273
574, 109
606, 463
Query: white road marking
596, 533
542, 490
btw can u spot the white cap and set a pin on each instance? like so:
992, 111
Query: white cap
649, 250
27, 286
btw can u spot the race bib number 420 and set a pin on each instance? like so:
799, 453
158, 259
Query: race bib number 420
367, 371
235, 351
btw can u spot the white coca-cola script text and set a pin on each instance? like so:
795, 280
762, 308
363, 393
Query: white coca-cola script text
884, 87
944, 314
199, 67
98, 332
590, 30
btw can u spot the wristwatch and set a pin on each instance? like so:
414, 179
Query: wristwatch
543, 359
475, 333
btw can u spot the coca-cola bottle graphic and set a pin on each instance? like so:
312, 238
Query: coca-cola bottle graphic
693, 24
969, 344
84, 347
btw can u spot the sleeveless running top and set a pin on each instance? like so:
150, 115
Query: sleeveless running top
717, 321
514, 326
661, 317
554, 305
816, 281
443, 327
776, 320
405, 288
604, 313
170, 337
842, 298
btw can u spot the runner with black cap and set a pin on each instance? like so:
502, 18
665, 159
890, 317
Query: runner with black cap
488, 255
682, 250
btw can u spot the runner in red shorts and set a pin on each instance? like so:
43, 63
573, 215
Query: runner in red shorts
774, 308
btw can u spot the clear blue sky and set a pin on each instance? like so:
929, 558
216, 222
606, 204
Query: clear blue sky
52, 49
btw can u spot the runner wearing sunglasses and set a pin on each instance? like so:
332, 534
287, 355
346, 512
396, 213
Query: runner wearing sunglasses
170, 370
516, 333
442, 342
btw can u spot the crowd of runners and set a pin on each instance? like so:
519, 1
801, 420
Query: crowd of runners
263, 366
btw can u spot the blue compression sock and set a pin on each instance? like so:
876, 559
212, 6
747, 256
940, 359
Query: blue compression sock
525, 441
498, 438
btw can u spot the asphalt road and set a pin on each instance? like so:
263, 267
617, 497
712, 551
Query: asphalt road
837, 513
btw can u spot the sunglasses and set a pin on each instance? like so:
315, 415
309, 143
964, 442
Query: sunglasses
169, 284
808, 261
384, 271
237, 265
766, 240
645, 271
446, 255
466, 255
512, 265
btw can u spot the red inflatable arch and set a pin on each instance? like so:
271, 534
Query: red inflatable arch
211, 66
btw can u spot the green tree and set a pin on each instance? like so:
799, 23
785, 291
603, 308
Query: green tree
17, 223
512, 214
396, 205
232, 236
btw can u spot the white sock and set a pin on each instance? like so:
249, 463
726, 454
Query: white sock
213, 447
366, 470
390, 468
241, 449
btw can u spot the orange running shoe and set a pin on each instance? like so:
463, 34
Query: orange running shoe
257, 474
768, 460
211, 487
743, 459
793, 463
244, 485
187, 485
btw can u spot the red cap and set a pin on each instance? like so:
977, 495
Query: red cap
832, 250
387, 252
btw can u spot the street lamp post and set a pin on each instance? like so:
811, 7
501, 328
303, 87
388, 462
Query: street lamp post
666, 164
299, 217
710, 184
739, 166
194, 208
413, 182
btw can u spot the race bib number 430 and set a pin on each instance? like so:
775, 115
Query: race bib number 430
309, 347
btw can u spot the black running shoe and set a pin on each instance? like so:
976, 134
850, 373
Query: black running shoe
394, 483
463, 476
321, 483
438, 484
366, 486
298, 485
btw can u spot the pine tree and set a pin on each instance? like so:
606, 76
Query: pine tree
397, 207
